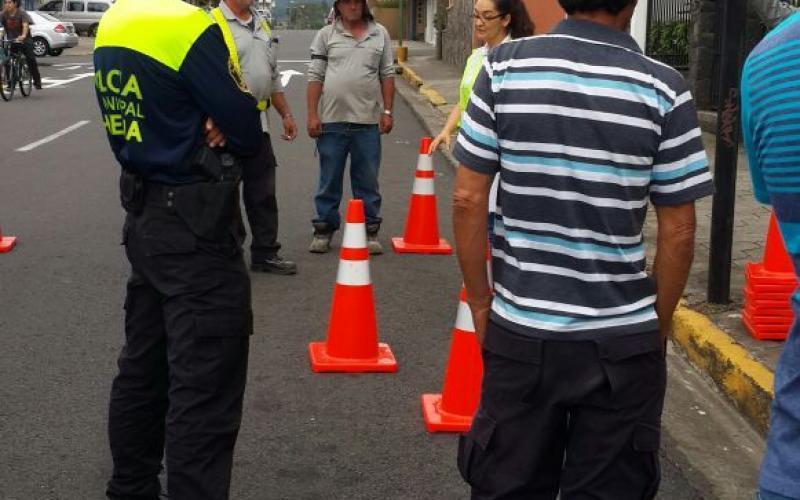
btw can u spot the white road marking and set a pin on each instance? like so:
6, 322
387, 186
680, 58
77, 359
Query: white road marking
68, 68
287, 61
287, 75
58, 82
53, 137
61, 65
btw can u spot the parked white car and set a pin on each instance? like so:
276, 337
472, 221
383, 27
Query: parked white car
51, 36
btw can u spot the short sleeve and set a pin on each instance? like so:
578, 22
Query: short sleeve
680, 167
319, 57
387, 60
751, 144
476, 146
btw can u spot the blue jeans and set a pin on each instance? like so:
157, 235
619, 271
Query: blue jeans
363, 144
780, 471
766, 495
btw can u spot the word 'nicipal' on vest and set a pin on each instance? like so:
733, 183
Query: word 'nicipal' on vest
121, 100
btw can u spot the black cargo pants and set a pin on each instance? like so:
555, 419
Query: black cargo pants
183, 366
579, 417
261, 202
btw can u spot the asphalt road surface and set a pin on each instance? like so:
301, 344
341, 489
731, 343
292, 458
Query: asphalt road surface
304, 436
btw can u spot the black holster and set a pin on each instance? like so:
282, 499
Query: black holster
210, 208
131, 192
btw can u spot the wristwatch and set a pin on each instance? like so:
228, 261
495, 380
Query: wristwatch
387, 112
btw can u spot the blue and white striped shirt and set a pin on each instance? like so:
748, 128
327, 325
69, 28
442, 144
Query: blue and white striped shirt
584, 130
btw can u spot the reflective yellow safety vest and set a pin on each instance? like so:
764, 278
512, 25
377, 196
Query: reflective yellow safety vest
219, 17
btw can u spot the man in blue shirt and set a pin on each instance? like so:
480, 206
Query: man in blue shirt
585, 132
771, 127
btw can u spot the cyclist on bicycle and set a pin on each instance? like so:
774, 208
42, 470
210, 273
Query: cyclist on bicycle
16, 23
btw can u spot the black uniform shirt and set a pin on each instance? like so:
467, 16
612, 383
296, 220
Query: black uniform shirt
161, 69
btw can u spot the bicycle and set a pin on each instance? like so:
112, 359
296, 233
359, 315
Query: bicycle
14, 70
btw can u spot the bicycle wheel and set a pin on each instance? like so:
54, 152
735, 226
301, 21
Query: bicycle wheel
6, 92
25, 79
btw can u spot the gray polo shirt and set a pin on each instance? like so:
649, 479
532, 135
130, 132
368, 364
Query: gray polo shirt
258, 57
351, 72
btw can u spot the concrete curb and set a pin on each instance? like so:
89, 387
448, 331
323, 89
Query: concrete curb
409, 75
745, 381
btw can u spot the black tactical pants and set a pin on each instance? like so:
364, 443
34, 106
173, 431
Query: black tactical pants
260, 202
579, 417
183, 367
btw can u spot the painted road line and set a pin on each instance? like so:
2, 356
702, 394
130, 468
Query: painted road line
61, 65
53, 137
59, 83
69, 68
288, 61
286, 76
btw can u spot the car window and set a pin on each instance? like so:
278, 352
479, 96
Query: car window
75, 6
97, 7
54, 6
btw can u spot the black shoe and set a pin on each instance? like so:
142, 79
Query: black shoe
37, 86
275, 265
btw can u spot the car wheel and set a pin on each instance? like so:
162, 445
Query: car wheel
55, 52
40, 47
92, 31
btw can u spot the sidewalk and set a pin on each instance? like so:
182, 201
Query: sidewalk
712, 336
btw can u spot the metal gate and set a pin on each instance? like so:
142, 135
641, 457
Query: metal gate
668, 25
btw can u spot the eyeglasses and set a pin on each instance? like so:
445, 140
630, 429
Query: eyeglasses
486, 17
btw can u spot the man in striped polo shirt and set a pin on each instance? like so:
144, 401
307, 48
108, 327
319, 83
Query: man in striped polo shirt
584, 131
771, 126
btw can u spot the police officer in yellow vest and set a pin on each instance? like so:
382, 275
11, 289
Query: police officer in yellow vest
177, 117
255, 52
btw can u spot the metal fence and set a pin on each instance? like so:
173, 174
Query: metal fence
668, 23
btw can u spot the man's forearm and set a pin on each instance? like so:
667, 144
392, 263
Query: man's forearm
387, 91
281, 106
313, 94
673, 260
470, 212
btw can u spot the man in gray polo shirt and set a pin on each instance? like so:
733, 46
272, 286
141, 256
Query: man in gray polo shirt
257, 55
352, 72
585, 132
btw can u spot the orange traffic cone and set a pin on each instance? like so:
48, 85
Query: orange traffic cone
352, 344
422, 225
452, 410
776, 258
6, 242
767, 312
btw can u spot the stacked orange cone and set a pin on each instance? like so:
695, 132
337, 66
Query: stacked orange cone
6, 242
453, 409
767, 313
422, 225
352, 344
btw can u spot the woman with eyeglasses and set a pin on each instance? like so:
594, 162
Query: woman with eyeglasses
496, 21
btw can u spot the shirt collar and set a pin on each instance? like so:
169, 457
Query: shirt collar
371, 28
596, 32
